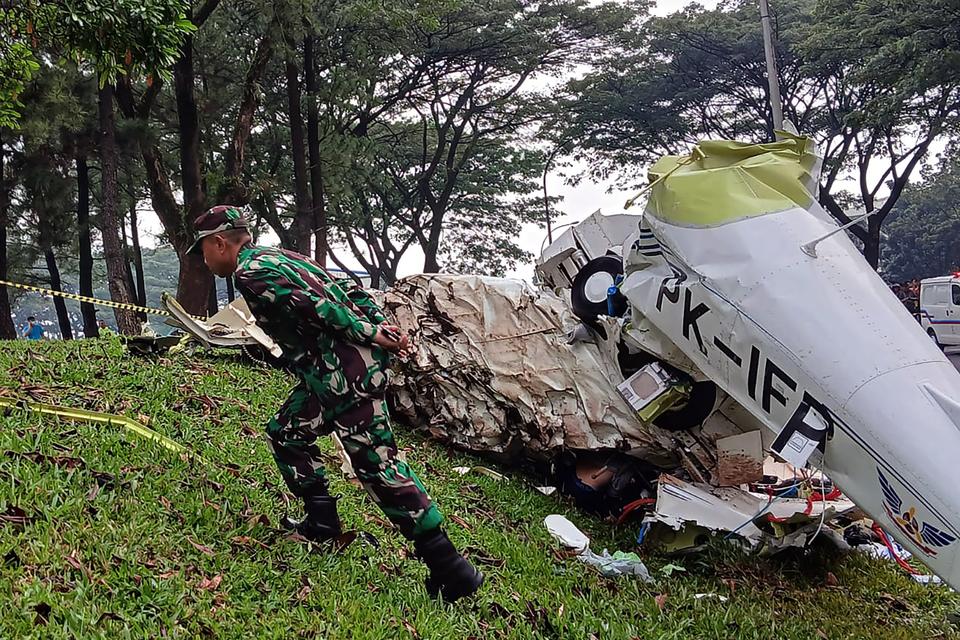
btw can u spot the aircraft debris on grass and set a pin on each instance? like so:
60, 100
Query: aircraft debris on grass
729, 320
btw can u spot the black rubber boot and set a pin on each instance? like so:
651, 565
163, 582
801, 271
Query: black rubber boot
451, 576
321, 522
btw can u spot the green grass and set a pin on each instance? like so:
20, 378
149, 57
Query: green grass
125, 540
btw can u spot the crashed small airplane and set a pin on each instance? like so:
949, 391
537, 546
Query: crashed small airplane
733, 316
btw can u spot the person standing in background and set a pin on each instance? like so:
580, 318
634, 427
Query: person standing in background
32, 330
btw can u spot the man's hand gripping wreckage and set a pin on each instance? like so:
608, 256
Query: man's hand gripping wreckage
732, 317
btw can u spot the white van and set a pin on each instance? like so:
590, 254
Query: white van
940, 309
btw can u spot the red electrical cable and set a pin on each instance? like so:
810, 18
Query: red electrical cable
900, 561
816, 496
633, 506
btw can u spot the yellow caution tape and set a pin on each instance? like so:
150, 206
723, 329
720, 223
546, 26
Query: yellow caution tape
95, 416
97, 301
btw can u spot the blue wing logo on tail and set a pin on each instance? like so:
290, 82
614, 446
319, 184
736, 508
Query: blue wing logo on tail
923, 534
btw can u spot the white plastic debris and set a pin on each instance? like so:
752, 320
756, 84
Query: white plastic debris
566, 532
701, 596
619, 563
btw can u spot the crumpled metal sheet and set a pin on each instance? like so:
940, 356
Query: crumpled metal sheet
492, 372
232, 326
681, 504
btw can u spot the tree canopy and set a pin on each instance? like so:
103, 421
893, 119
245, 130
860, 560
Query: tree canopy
367, 132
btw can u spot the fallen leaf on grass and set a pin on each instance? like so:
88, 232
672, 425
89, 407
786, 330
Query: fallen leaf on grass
411, 629
167, 574
93, 492
303, 593
479, 557
166, 503
104, 479
74, 562
210, 584
15, 516
247, 541
564, 554
37, 393
64, 462
232, 469
11, 559
831, 580
43, 613
253, 521
661, 601
893, 602
375, 519
460, 521
202, 548
109, 615
293, 536
497, 610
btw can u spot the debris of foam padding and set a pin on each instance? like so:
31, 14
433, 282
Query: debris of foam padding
619, 563
493, 373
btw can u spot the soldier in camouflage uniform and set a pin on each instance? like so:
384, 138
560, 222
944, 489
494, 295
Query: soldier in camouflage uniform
335, 339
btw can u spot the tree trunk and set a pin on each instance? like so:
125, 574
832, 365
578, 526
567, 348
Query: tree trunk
234, 190
137, 255
194, 277
87, 311
193, 289
213, 305
7, 330
109, 218
871, 245
313, 146
432, 247
126, 259
63, 318
303, 219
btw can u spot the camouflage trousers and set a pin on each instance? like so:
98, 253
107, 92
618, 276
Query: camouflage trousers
349, 399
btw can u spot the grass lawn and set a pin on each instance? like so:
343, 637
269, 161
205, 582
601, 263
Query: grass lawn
104, 535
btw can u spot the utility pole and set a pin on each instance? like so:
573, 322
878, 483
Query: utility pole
772, 78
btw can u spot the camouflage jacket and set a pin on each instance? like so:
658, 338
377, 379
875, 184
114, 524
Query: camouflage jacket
298, 304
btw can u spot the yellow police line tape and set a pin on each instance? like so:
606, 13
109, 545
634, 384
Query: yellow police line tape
97, 301
95, 416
